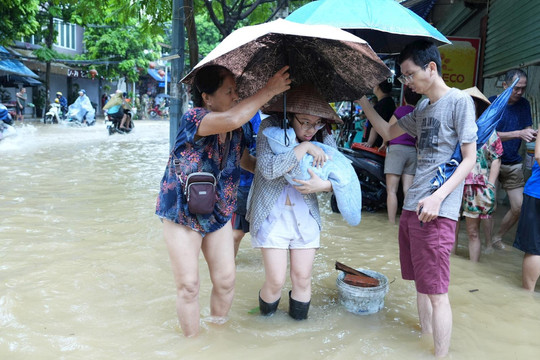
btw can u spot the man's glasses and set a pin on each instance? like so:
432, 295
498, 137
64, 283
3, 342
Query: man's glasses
306, 125
405, 79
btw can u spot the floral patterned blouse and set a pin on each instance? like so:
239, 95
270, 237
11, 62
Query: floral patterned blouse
202, 154
491, 150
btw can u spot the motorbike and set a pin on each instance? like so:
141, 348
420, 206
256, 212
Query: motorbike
367, 162
112, 121
158, 111
54, 114
5, 123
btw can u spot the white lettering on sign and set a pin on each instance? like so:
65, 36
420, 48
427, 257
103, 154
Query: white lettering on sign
77, 73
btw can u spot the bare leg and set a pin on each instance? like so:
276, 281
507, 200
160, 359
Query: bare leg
184, 246
512, 216
406, 181
487, 226
442, 323
475, 245
123, 121
218, 251
436, 317
425, 313
531, 271
392, 183
238, 235
275, 269
301, 267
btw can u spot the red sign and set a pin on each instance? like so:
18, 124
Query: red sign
460, 62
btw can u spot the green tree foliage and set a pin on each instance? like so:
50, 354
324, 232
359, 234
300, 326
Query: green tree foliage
228, 15
208, 35
122, 49
18, 19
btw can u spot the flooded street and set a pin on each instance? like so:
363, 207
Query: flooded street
84, 271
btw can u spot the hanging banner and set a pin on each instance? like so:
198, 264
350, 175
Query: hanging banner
460, 62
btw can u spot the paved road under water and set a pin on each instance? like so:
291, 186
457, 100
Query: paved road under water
84, 273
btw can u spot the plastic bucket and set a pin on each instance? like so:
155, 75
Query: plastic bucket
363, 300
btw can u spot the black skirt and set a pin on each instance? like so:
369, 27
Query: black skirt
528, 231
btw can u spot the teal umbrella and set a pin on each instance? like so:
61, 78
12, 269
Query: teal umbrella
487, 122
385, 24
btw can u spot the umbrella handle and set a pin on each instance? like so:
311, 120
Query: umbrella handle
284, 121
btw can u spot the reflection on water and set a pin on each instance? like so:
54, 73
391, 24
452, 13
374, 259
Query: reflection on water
85, 273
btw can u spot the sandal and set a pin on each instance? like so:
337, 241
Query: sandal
498, 245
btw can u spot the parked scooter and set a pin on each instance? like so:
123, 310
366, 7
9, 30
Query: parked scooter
157, 110
369, 166
54, 114
367, 162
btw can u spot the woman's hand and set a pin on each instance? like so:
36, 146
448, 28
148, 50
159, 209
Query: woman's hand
280, 82
313, 185
319, 156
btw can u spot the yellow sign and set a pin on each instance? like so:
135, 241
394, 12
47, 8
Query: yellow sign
459, 62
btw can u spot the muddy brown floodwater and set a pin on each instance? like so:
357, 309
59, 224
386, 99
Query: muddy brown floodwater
84, 272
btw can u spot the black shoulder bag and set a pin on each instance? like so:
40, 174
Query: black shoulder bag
200, 187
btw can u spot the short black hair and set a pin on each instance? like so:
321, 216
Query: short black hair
386, 86
207, 80
421, 52
510, 74
411, 97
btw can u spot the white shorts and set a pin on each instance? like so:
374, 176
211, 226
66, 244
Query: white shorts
283, 233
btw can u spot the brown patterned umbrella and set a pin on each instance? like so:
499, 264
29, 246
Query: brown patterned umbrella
340, 65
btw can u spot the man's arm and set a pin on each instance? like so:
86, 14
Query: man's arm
528, 134
387, 131
431, 205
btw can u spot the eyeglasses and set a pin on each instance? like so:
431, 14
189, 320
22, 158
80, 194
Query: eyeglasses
405, 79
306, 125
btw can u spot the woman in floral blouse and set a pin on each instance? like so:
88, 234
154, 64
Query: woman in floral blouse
200, 145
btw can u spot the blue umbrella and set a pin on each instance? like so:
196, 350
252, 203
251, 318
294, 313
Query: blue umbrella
385, 24
487, 122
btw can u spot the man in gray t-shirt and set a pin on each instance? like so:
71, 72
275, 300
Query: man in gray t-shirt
428, 220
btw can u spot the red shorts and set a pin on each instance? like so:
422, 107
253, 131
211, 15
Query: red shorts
424, 252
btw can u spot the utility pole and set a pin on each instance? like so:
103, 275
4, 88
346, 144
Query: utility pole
177, 69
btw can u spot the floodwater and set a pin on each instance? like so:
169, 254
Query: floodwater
84, 272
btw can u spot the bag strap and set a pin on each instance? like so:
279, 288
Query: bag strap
226, 149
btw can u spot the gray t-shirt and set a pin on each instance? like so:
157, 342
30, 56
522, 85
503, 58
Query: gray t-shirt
439, 127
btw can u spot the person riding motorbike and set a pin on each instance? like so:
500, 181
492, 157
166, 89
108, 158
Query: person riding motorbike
125, 124
82, 110
53, 114
6, 122
118, 110
63, 103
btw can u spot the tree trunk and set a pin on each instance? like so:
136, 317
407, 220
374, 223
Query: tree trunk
191, 30
48, 43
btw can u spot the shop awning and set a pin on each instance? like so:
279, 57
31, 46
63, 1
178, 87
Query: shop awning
154, 73
17, 80
9, 65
